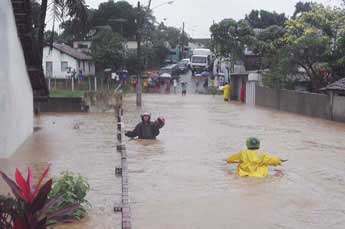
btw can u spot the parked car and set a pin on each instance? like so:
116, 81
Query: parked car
172, 69
182, 67
187, 62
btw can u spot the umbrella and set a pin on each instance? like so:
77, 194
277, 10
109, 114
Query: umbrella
165, 75
154, 75
205, 74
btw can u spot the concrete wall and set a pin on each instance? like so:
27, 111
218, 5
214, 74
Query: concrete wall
16, 98
310, 104
314, 105
267, 97
339, 109
60, 105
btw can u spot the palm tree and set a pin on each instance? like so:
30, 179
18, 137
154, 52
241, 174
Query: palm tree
60, 9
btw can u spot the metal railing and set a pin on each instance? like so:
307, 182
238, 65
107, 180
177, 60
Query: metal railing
122, 171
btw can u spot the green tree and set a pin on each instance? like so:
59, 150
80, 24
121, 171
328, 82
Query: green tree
109, 12
107, 50
48, 36
267, 46
314, 40
231, 37
60, 9
302, 7
280, 69
263, 19
74, 29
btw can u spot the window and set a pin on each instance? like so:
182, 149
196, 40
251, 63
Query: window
199, 59
49, 69
83, 46
64, 66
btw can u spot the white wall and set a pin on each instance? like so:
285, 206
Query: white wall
131, 45
16, 98
57, 57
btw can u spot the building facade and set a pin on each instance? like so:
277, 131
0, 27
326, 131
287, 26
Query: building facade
60, 60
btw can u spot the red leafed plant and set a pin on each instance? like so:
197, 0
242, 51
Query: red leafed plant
34, 210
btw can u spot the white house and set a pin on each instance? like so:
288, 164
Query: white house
61, 59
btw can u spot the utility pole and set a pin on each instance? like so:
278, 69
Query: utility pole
183, 56
139, 28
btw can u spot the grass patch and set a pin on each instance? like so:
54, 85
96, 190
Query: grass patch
67, 93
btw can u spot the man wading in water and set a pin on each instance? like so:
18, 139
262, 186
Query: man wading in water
251, 162
146, 129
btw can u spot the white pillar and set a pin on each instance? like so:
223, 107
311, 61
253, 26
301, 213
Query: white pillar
95, 83
72, 83
49, 83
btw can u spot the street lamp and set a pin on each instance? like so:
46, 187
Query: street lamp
162, 4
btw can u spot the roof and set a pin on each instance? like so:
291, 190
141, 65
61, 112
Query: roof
336, 86
72, 52
201, 40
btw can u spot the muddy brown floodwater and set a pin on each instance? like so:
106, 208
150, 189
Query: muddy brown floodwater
181, 182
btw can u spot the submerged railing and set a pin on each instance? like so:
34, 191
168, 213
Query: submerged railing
122, 171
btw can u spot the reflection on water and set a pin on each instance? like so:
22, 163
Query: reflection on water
181, 181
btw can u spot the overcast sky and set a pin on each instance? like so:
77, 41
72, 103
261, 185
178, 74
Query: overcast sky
199, 14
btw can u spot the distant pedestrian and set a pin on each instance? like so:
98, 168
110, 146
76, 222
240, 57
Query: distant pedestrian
146, 85
184, 88
175, 85
226, 91
80, 76
206, 83
242, 95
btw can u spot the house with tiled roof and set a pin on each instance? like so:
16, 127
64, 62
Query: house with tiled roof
59, 60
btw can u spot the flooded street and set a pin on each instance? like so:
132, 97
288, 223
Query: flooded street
181, 181
80, 143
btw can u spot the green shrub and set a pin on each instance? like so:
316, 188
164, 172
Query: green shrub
73, 190
8, 206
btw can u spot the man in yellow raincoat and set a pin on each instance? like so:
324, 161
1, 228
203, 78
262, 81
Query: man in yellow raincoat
226, 91
251, 162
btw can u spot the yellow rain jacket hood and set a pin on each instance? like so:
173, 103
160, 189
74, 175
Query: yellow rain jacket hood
253, 163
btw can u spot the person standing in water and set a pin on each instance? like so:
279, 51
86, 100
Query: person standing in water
251, 162
184, 88
226, 91
146, 129
175, 85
